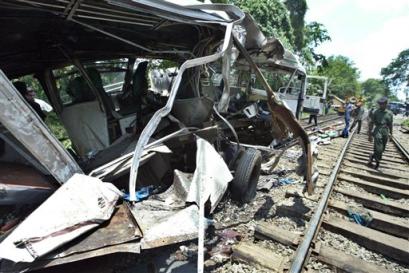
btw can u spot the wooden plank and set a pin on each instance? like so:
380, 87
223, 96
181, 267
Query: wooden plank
324, 254
321, 164
384, 158
263, 230
347, 263
377, 203
365, 143
368, 151
369, 147
256, 255
376, 188
325, 172
358, 150
384, 222
388, 245
387, 173
382, 166
379, 179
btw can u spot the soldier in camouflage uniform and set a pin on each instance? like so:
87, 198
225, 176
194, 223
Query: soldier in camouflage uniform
382, 119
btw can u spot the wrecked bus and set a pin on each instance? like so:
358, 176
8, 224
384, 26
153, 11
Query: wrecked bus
91, 58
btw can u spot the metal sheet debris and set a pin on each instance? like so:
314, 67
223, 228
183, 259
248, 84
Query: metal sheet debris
78, 206
211, 176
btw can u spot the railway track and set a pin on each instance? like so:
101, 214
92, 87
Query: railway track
328, 119
367, 207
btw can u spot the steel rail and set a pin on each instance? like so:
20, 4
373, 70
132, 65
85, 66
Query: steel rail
322, 122
315, 222
401, 148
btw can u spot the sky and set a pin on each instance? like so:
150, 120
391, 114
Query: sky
370, 32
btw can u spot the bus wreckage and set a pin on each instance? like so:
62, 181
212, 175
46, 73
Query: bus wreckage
147, 161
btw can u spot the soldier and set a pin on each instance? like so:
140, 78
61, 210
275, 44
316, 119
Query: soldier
383, 121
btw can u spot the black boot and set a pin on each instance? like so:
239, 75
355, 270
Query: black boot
376, 165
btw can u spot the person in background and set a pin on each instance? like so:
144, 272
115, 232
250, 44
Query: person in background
313, 116
29, 96
359, 114
382, 119
348, 110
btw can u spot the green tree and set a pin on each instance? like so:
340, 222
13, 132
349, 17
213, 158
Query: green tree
344, 75
272, 17
372, 90
297, 9
315, 34
396, 74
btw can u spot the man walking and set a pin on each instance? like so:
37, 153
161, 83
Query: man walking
348, 110
313, 116
359, 114
382, 119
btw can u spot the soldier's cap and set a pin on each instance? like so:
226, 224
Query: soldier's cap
383, 100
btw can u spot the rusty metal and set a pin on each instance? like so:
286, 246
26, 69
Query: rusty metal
285, 116
121, 228
119, 235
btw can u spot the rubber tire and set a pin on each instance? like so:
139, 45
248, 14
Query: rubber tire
247, 172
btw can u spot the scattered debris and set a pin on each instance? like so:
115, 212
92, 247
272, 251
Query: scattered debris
78, 206
360, 215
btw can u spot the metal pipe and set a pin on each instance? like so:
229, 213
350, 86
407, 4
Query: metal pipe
315, 221
129, 42
114, 20
236, 137
34, 3
132, 18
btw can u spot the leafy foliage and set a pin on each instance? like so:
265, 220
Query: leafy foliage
315, 34
344, 75
396, 74
297, 9
272, 17
286, 22
52, 121
373, 89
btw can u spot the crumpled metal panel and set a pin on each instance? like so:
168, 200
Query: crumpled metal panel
177, 227
25, 125
283, 117
121, 228
164, 218
78, 206
211, 177
119, 234
129, 247
176, 195
156, 118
